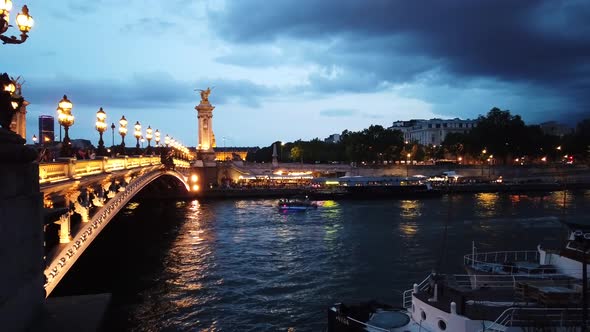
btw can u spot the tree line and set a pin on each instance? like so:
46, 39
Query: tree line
499, 137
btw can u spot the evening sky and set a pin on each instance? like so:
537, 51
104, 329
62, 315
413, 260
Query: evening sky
287, 69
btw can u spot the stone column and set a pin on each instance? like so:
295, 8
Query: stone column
21, 235
275, 159
205, 123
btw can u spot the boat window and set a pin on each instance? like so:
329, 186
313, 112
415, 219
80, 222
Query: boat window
413, 308
422, 315
442, 325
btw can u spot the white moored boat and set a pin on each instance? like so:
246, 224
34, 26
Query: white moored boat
503, 291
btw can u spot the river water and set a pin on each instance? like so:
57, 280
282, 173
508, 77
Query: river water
242, 265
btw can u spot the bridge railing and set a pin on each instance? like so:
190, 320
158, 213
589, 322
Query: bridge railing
66, 169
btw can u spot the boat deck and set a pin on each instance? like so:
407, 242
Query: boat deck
489, 297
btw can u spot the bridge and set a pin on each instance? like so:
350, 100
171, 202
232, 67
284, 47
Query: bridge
82, 196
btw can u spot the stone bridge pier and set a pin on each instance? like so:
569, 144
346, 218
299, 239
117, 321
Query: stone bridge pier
21, 235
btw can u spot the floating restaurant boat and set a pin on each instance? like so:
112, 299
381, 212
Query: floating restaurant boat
375, 186
495, 296
296, 204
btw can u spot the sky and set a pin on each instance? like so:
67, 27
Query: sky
300, 69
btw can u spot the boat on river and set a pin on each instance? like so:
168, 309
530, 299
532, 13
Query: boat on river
296, 204
499, 295
374, 187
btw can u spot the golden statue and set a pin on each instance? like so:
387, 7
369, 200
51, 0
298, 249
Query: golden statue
204, 94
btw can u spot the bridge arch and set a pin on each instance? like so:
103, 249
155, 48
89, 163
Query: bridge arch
68, 254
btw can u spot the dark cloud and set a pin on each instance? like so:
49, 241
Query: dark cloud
542, 43
339, 112
154, 90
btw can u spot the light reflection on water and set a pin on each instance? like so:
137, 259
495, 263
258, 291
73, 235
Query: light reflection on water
410, 209
241, 265
487, 204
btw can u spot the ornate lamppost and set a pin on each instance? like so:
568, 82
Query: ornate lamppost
483, 157
137, 134
113, 136
101, 127
173, 146
66, 119
167, 140
148, 136
409, 155
23, 20
123, 132
34, 140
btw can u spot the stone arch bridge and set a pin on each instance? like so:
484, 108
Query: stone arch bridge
82, 196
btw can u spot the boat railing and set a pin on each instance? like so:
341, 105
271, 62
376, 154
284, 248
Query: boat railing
506, 262
523, 316
502, 257
496, 281
474, 281
490, 281
407, 295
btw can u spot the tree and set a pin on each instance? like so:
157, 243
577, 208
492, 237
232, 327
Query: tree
297, 153
454, 144
499, 133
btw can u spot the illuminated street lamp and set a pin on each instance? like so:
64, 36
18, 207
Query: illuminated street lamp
157, 138
137, 134
101, 127
409, 155
167, 140
23, 20
34, 140
173, 145
66, 119
483, 157
148, 136
123, 132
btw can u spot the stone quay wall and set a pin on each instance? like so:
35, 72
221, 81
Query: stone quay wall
516, 174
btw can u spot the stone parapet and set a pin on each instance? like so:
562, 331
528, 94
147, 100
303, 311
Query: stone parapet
21, 235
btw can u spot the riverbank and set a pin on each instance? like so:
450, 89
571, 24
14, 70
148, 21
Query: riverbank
238, 193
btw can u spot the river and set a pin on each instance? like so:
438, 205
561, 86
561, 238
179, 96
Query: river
241, 265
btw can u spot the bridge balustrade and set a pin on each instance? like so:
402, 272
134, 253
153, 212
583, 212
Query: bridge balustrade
181, 163
74, 169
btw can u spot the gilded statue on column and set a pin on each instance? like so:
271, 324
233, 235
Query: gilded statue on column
204, 94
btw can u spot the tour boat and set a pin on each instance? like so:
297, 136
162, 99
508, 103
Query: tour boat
296, 204
365, 187
519, 297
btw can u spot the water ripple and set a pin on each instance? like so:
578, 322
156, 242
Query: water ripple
241, 265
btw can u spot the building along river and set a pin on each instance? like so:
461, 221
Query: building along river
241, 265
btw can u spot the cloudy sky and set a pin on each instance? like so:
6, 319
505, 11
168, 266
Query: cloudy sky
290, 69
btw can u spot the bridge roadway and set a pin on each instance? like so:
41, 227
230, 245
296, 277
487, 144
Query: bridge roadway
84, 195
